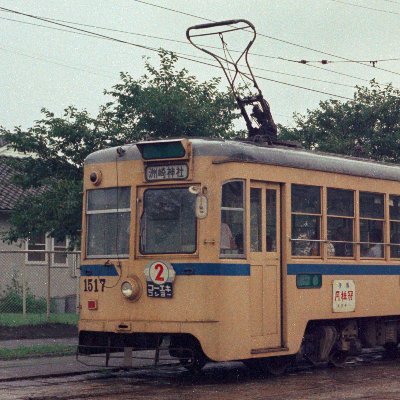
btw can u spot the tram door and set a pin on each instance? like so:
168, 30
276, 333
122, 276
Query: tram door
265, 265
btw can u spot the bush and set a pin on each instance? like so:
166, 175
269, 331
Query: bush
11, 300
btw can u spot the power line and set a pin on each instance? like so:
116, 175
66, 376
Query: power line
183, 42
392, 1
136, 34
338, 73
366, 7
46, 26
90, 35
274, 38
155, 50
20, 53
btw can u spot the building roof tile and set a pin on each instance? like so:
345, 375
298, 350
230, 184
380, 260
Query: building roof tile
9, 192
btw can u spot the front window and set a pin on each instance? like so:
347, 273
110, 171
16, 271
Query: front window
108, 222
168, 223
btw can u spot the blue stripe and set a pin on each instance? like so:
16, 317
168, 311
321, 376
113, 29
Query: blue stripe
213, 269
99, 270
340, 269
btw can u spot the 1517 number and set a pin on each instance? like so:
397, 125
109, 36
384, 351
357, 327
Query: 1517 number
94, 285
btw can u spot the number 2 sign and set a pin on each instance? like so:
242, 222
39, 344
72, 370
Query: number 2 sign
159, 273
159, 277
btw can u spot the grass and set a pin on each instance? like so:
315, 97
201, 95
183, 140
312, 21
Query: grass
37, 351
36, 319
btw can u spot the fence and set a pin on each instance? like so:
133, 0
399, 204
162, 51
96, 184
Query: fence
39, 282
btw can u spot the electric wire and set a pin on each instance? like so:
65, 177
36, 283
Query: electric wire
392, 1
55, 62
276, 39
156, 50
186, 43
365, 7
135, 34
108, 76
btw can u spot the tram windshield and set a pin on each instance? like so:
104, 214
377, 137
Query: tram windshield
168, 222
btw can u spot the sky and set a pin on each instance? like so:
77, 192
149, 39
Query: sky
51, 68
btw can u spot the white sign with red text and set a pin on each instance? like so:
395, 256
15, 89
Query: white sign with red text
343, 296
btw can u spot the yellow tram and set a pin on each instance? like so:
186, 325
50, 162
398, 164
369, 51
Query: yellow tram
239, 251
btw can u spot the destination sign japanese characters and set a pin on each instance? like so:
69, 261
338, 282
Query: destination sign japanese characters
343, 296
166, 172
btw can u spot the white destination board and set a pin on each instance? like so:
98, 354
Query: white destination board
343, 296
166, 172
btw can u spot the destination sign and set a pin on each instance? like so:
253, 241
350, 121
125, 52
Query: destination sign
166, 172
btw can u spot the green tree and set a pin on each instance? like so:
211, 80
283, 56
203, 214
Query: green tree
165, 102
366, 126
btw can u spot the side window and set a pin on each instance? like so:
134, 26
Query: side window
255, 220
394, 215
306, 220
60, 258
36, 243
232, 219
271, 229
372, 214
340, 219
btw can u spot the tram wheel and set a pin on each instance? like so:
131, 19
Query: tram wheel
194, 364
339, 358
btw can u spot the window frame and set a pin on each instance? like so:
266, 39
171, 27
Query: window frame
107, 211
237, 209
384, 224
53, 255
139, 219
338, 216
390, 220
46, 248
319, 215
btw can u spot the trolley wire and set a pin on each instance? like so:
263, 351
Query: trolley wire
392, 1
276, 39
304, 62
108, 76
50, 61
177, 41
365, 7
106, 37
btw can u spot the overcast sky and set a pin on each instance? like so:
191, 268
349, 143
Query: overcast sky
43, 67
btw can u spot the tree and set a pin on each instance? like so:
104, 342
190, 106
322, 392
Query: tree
165, 102
367, 126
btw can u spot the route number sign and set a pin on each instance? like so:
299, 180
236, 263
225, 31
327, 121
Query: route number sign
159, 278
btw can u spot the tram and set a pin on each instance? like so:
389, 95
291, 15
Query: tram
239, 251
252, 250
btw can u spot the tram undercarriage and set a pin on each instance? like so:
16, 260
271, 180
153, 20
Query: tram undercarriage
334, 341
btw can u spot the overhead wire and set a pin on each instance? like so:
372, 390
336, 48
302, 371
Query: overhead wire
47, 60
392, 1
365, 7
156, 50
194, 56
186, 43
275, 38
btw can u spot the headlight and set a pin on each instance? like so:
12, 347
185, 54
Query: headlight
131, 289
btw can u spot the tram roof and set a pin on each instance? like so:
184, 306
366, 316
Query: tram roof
228, 151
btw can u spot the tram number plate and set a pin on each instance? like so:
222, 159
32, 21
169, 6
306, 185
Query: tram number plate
94, 285
164, 291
